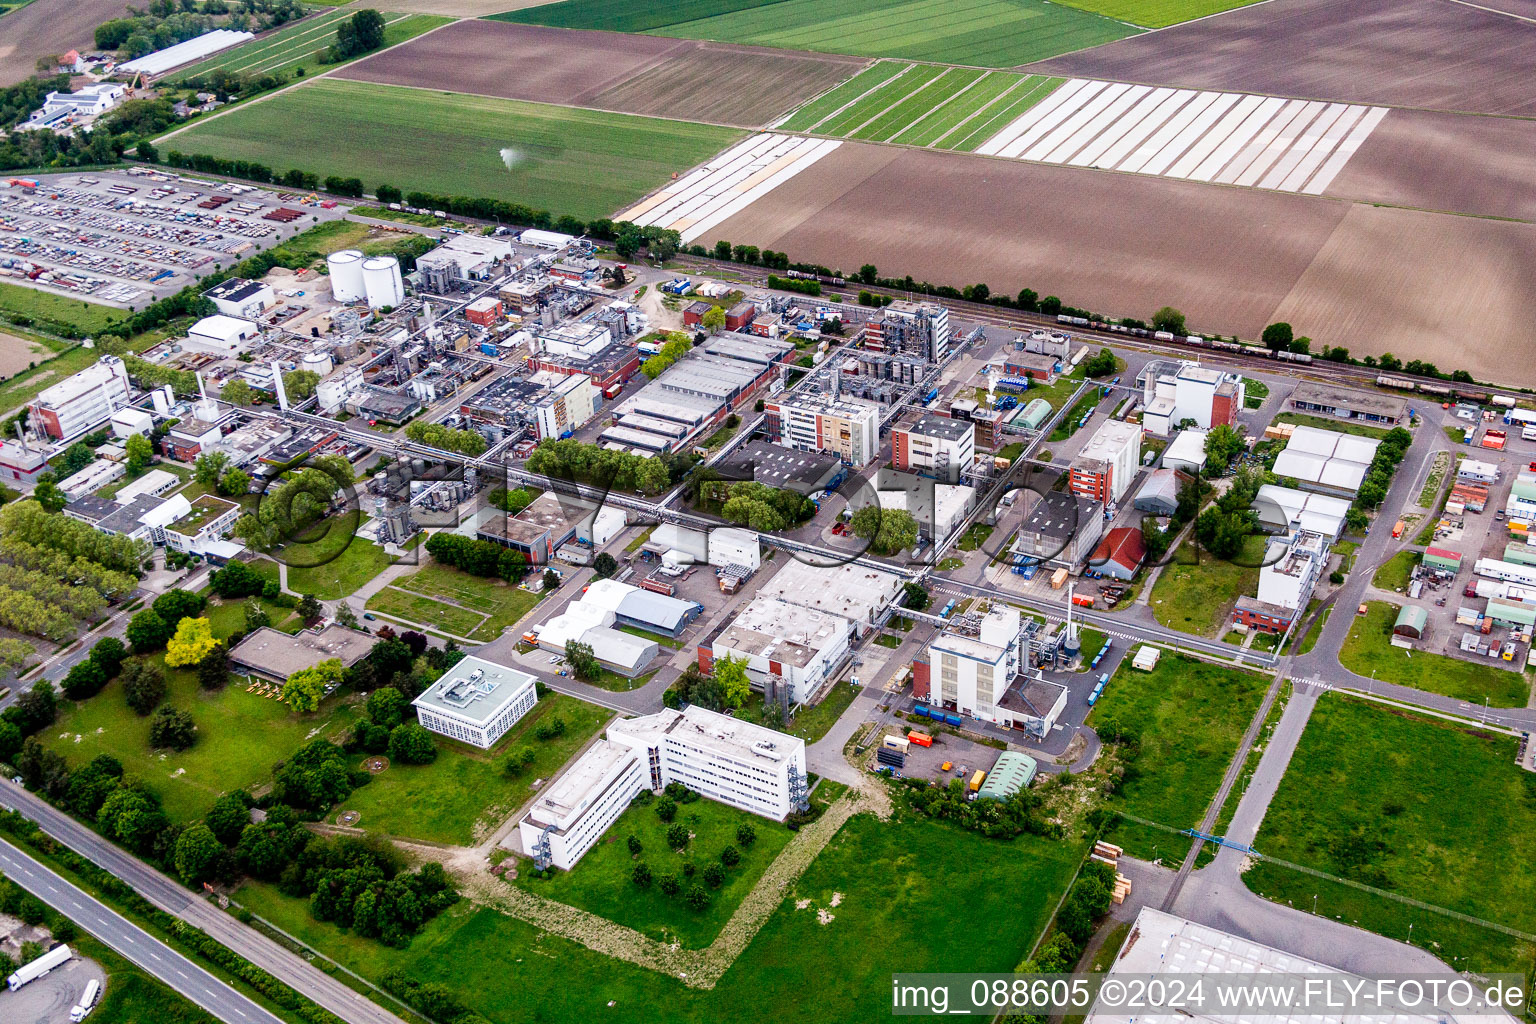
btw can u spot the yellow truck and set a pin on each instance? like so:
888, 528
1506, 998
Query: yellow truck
976, 780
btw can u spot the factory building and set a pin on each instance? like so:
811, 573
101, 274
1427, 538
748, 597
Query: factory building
525, 296
242, 299
738, 318
461, 261
564, 404
756, 769
1106, 466
914, 328
1174, 391
939, 508
82, 401
774, 466
934, 446
846, 427
538, 530
984, 677
1326, 461
696, 393
476, 702
1061, 529
853, 592
610, 367
798, 646
20, 463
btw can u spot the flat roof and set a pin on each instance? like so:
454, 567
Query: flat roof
1058, 515
1370, 402
712, 732
581, 785
1112, 437
276, 653
931, 425
783, 632
774, 466
474, 691
852, 591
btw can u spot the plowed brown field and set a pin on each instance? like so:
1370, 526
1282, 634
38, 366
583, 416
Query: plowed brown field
46, 28
633, 74
1419, 53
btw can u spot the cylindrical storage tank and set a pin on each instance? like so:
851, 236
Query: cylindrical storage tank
346, 268
382, 281
317, 362
170, 395
161, 405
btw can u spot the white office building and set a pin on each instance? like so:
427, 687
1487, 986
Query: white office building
1174, 391
846, 427
738, 763
476, 702
935, 446
801, 646
92, 478
571, 815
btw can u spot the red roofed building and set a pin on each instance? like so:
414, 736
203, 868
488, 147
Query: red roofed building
1120, 554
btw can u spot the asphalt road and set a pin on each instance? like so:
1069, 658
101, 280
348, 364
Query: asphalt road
289, 968
130, 941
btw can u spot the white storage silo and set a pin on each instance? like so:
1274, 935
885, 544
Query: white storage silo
346, 268
382, 281
317, 362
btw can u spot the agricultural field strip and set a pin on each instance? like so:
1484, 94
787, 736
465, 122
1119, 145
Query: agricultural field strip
868, 80
941, 111
949, 115
916, 105
261, 55
1002, 112
1229, 138
861, 114
729, 183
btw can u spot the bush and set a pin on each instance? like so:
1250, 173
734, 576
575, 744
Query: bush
714, 876
172, 729
677, 836
669, 885
730, 856
746, 835
666, 808
551, 729
698, 897
641, 875
411, 744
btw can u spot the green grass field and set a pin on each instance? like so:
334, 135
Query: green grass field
239, 737
1360, 801
480, 609
919, 105
1196, 596
1368, 651
331, 571
296, 45
1330, 423
89, 317
601, 883
981, 33
532, 153
907, 903
1156, 13
1395, 572
463, 795
1189, 717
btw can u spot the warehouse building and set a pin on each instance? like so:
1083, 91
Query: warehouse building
475, 702
696, 394
1159, 493
853, 592
643, 609
591, 624
934, 446
800, 646
81, 401
1326, 461
220, 335
1186, 452
276, 655
1120, 555
1061, 529
1286, 509
240, 298
848, 428
1013, 773
1106, 466
776, 466
1348, 404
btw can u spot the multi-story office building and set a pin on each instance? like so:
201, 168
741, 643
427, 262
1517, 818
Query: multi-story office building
738, 763
476, 702
1106, 465
1176, 391
934, 446
87, 399
571, 815
1292, 566
846, 427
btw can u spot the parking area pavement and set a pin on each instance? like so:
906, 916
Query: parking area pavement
962, 755
49, 999
130, 237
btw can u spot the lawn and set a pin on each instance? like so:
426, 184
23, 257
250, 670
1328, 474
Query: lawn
1329, 423
463, 795
294, 45
888, 641
1156, 13
496, 604
1189, 717
1316, 630
980, 33
1396, 571
418, 609
228, 616
1195, 591
897, 884
313, 569
1360, 801
975, 537
1368, 651
87, 317
1068, 425
1433, 480
239, 737
600, 882
530, 153
1245, 775
1254, 393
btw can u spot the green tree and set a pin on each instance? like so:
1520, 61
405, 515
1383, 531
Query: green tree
732, 674
698, 897
237, 392
300, 384
713, 320
304, 689
147, 631
1170, 320
730, 856
143, 685
209, 467
234, 483
309, 608
914, 596
191, 643
48, 495
229, 816
641, 876
1277, 337
140, 453
411, 744
1222, 445
746, 834
669, 885
677, 836
633, 843
386, 706
582, 661
551, 579
197, 853
666, 809
213, 670
605, 565
171, 729
888, 530
256, 615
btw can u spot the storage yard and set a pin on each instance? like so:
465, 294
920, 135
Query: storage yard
543, 156
1417, 53
121, 238
295, 45
981, 33
687, 80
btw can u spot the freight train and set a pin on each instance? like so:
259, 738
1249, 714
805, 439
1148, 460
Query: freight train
1194, 340
1446, 392
823, 278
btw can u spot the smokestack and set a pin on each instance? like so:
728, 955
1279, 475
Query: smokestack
21, 435
202, 392
277, 382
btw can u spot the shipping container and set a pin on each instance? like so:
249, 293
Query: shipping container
39, 967
1083, 600
977, 779
952, 719
920, 710
920, 738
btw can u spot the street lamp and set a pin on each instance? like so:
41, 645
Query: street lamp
1314, 903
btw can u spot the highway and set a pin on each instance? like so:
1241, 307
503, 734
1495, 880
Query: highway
130, 941
288, 967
